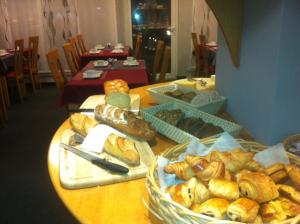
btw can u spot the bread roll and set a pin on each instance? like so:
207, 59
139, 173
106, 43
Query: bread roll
82, 124
116, 85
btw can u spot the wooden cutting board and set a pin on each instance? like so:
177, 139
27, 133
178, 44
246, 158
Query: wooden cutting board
76, 172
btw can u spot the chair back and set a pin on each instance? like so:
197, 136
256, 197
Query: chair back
165, 64
71, 59
157, 58
56, 68
203, 55
138, 47
33, 52
19, 50
73, 41
197, 54
81, 43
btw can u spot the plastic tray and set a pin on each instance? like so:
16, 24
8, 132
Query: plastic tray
179, 135
158, 93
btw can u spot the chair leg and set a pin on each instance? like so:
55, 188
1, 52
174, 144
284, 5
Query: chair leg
32, 81
20, 90
4, 115
37, 80
5, 91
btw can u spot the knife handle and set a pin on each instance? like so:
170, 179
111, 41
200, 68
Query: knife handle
110, 166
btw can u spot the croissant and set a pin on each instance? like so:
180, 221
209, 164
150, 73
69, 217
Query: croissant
290, 208
205, 170
184, 193
214, 207
294, 173
289, 192
274, 168
243, 210
278, 176
272, 211
224, 189
254, 166
182, 170
234, 160
201, 193
257, 186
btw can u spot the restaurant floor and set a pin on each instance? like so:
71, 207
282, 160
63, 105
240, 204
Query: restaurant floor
27, 195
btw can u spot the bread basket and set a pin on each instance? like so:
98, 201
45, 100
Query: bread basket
172, 212
289, 141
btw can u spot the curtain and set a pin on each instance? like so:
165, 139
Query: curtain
204, 21
97, 21
5, 32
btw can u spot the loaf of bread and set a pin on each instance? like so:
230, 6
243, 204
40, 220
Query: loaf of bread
122, 148
125, 121
117, 93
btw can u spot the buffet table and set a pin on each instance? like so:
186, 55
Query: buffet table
114, 203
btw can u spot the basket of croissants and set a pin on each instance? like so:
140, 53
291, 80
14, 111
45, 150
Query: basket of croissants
226, 187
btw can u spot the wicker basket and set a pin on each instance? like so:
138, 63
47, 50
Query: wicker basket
288, 142
170, 211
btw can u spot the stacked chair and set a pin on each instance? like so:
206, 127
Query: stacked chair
71, 58
81, 43
16, 78
32, 68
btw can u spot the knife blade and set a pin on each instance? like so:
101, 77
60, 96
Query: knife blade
81, 110
102, 163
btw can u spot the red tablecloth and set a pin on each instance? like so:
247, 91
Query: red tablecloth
78, 88
106, 53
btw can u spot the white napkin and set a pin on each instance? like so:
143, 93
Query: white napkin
95, 139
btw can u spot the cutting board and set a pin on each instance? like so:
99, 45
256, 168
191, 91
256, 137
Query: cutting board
76, 172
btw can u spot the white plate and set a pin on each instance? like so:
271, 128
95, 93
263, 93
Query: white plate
100, 63
130, 63
99, 47
116, 51
94, 51
92, 74
93, 101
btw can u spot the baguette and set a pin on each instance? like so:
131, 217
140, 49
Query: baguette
122, 148
125, 121
82, 123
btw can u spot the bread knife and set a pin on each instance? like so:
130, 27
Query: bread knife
81, 110
102, 163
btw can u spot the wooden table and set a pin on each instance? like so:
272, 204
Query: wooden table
115, 203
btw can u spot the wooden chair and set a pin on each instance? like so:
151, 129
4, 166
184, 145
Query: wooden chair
73, 41
71, 59
197, 54
16, 78
138, 47
157, 58
57, 69
32, 69
165, 64
204, 65
81, 43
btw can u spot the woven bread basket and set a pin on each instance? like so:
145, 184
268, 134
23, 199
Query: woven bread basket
288, 142
172, 212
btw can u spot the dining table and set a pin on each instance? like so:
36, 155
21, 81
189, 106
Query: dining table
79, 87
124, 202
104, 54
